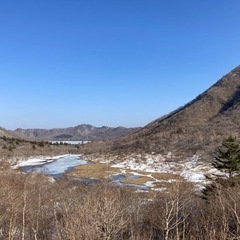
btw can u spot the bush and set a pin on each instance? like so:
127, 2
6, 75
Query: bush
33, 207
41, 144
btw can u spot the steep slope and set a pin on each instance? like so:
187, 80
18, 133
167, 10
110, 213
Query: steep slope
221, 99
7, 133
80, 132
196, 128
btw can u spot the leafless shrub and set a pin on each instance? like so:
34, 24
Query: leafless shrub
35, 207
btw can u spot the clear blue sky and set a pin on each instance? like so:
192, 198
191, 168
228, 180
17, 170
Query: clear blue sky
110, 62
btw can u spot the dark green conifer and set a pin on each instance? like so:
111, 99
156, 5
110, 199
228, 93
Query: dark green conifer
228, 157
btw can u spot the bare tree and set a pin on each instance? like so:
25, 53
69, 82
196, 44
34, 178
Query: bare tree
171, 209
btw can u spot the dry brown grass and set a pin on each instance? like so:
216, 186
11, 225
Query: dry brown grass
96, 170
104, 170
166, 185
140, 180
167, 176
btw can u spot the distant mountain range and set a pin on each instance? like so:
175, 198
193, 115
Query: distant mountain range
196, 128
84, 132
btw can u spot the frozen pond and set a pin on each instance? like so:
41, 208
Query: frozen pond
55, 166
70, 142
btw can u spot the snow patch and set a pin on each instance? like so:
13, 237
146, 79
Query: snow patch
192, 169
41, 160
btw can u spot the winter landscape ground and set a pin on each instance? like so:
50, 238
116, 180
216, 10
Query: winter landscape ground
154, 173
159, 182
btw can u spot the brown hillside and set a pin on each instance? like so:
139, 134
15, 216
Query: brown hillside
196, 128
7, 133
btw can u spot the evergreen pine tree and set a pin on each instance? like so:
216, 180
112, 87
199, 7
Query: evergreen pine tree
228, 157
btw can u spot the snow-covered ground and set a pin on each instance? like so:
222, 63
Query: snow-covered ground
40, 160
70, 142
192, 169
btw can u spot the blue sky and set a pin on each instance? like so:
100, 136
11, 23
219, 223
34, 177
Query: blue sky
110, 62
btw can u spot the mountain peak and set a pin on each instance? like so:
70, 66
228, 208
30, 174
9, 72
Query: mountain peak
197, 126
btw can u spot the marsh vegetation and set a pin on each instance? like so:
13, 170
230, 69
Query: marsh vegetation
34, 206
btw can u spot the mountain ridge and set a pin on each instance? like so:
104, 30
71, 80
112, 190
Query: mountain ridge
7, 133
85, 132
198, 127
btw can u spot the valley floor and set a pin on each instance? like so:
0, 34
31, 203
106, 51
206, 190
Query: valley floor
154, 172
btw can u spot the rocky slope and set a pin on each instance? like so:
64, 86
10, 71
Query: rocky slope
81, 132
7, 133
196, 128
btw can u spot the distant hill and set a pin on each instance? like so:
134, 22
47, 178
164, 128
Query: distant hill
83, 132
7, 133
196, 128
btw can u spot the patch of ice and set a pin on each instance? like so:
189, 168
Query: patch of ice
193, 177
150, 184
51, 165
162, 189
70, 142
41, 160
141, 191
169, 155
32, 162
